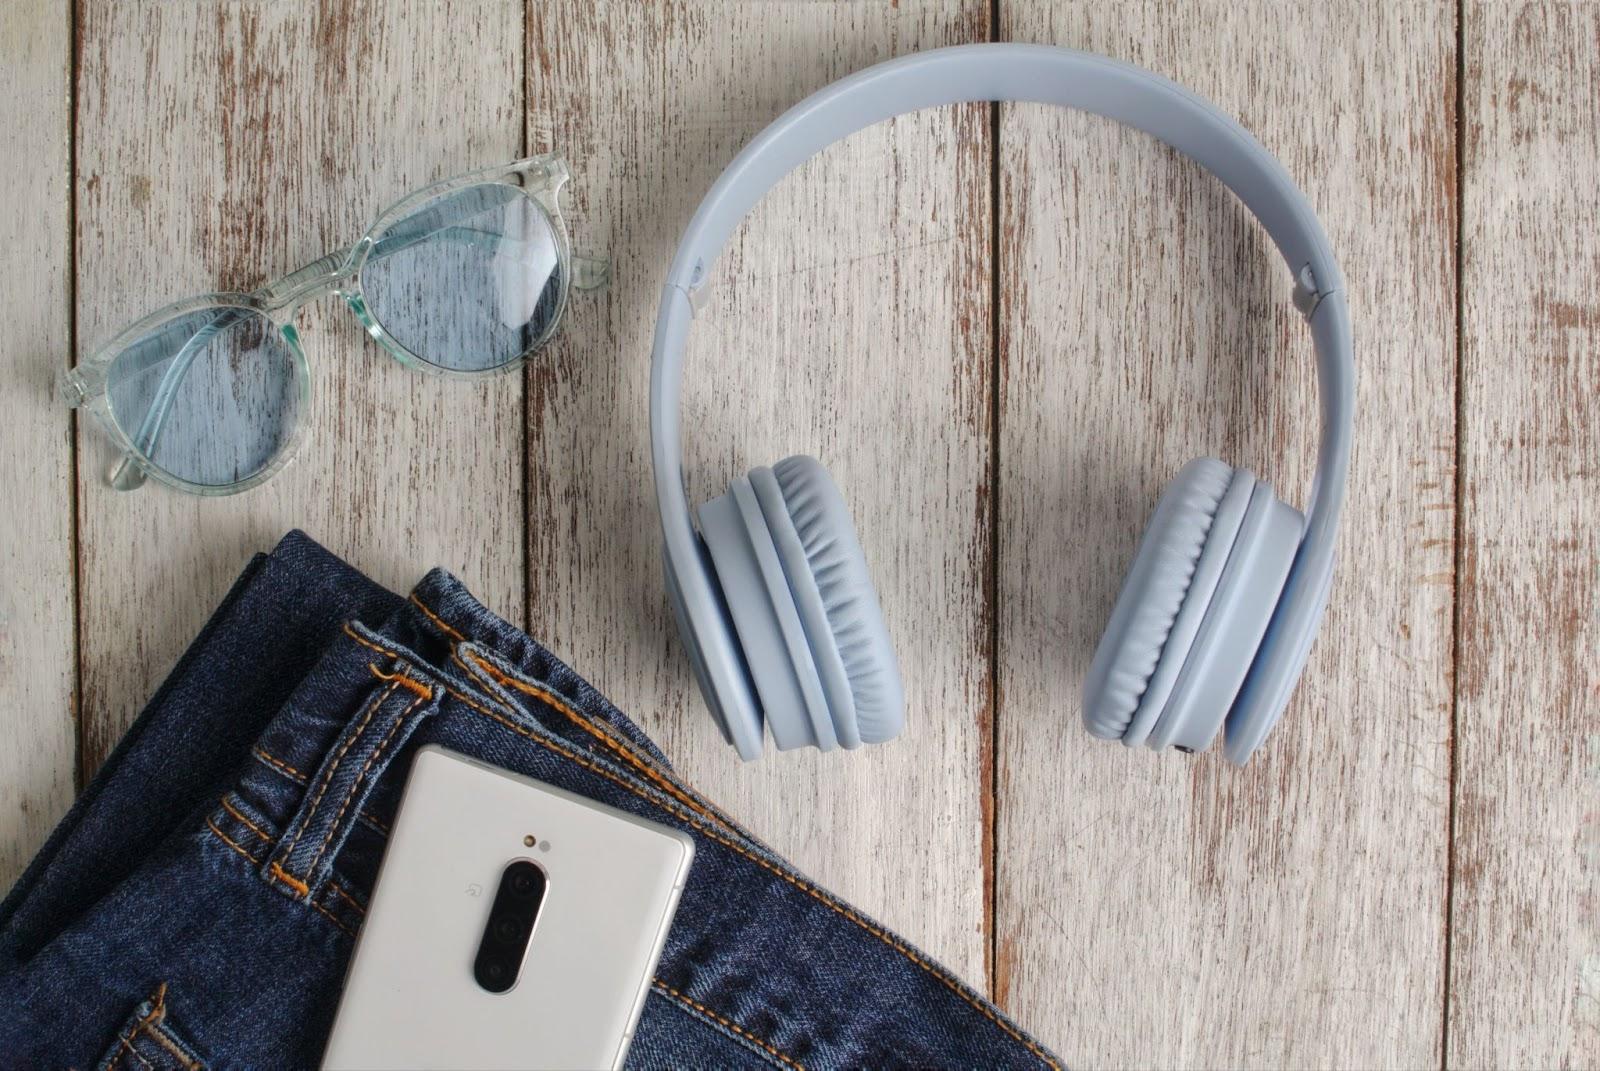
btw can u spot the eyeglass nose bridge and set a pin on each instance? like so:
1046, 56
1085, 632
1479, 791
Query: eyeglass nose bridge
315, 280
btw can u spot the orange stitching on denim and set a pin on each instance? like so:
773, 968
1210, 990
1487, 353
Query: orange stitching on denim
363, 641
230, 842
333, 767
458, 693
355, 786
154, 1026
159, 1033
821, 897
331, 917
623, 748
158, 1009
604, 736
346, 897
257, 830
277, 871
273, 760
415, 687
443, 625
127, 1043
735, 1027
475, 675
283, 767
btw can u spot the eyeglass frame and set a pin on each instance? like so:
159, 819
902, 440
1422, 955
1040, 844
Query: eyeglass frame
85, 385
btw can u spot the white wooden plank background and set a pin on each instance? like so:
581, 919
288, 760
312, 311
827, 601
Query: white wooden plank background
1281, 915
221, 145
786, 358
38, 641
1406, 876
1525, 929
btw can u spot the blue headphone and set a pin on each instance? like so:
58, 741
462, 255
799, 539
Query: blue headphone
1227, 588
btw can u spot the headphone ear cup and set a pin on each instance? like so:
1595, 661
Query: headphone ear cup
1158, 583
1236, 618
771, 641
833, 592
714, 655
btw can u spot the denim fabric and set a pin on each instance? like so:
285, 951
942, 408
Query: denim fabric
197, 906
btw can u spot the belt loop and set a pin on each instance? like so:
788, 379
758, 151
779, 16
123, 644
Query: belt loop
304, 856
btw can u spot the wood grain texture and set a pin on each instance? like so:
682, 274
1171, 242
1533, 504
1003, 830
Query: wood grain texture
1146, 910
221, 145
1163, 911
1525, 933
849, 319
37, 641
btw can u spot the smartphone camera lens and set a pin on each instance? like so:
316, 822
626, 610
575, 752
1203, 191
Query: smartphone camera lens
504, 943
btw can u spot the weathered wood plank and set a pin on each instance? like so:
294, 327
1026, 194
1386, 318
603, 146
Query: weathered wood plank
37, 642
1525, 945
1162, 911
223, 144
849, 320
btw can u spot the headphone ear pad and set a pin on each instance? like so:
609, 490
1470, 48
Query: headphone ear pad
833, 590
760, 604
1152, 595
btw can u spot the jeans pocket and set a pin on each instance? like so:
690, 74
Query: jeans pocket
150, 1041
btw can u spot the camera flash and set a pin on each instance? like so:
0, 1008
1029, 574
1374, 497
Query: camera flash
530, 840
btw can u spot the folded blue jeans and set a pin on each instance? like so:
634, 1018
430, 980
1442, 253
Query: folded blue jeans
198, 905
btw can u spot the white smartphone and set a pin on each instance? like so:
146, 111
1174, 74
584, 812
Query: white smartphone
513, 925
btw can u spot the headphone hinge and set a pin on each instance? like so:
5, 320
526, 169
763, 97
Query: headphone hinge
696, 295
1307, 295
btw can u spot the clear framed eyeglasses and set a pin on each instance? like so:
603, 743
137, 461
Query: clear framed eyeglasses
467, 277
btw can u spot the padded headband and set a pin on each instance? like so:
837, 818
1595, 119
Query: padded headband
1091, 83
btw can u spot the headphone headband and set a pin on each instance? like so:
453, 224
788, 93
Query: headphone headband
1036, 74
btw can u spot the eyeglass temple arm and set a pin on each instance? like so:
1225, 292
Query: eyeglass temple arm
126, 475
589, 272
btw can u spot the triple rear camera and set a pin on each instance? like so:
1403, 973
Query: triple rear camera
511, 917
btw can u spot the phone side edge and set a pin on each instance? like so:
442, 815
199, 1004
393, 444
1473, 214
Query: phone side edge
680, 881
